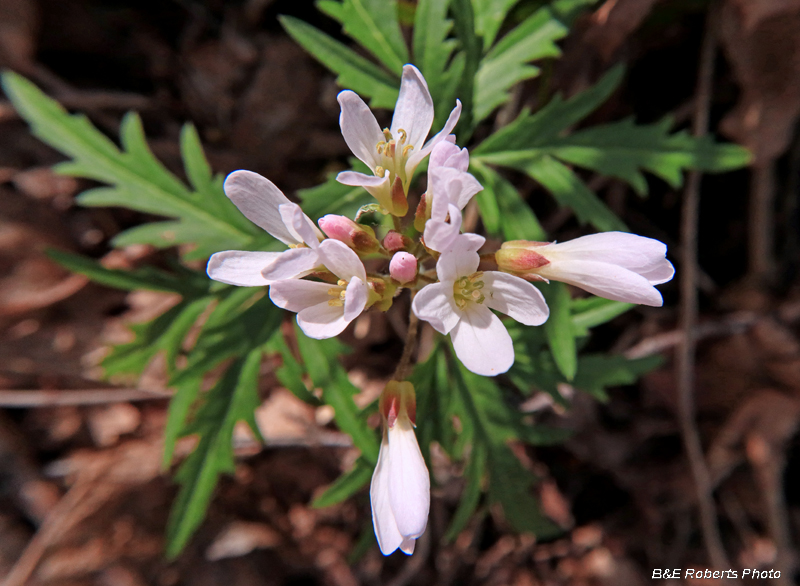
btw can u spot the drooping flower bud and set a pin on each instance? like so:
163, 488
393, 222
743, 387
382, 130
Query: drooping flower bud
400, 488
357, 236
520, 257
395, 241
403, 267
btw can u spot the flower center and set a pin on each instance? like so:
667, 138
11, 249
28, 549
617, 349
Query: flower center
394, 154
468, 289
338, 294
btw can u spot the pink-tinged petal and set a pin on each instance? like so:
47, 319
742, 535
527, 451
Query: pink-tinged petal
258, 199
435, 305
341, 260
322, 321
292, 264
515, 297
403, 267
447, 154
360, 129
457, 186
409, 482
604, 280
389, 538
378, 187
413, 112
461, 260
418, 155
300, 225
355, 299
440, 235
644, 256
482, 342
407, 547
295, 295
240, 267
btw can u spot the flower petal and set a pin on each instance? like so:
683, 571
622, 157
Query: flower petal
355, 299
258, 199
644, 256
414, 109
240, 267
604, 280
482, 342
300, 225
515, 297
359, 128
295, 295
378, 187
460, 260
434, 304
457, 186
418, 155
447, 154
341, 260
291, 264
322, 321
389, 538
440, 235
409, 482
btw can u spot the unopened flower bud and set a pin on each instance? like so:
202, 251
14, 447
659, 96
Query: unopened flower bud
357, 236
403, 267
395, 241
520, 256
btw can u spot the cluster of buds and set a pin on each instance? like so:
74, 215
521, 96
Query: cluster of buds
323, 278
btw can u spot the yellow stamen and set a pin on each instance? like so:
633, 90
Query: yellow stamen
403, 136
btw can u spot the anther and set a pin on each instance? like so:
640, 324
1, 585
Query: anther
341, 283
403, 136
406, 149
388, 134
379, 171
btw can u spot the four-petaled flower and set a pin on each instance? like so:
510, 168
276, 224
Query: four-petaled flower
391, 154
266, 206
325, 309
460, 304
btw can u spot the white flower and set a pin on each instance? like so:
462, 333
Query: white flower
461, 303
394, 153
400, 489
614, 265
450, 188
323, 309
267, 207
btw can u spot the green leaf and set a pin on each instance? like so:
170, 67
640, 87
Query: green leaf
489, 15
589, 312
179, 406
508, 61
135, 178
432, 48
558, 328
464, 24
346, 485
233, 398
500, 199
471, 496
596, 372
623, 148
290, 373
570, 191
353, 71
374, 24
332, 197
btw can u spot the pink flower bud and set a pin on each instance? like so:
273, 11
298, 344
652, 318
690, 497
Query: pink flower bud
516, 259
358, 237
394, 241
403, 267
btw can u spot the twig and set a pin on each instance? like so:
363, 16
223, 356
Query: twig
686, 354
49, 398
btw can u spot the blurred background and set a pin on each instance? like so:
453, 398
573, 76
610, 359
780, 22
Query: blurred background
82, 496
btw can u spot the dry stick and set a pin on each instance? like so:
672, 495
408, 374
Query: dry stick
686, 354
40, 398
761, 228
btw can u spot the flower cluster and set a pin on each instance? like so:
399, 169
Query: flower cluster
322, 275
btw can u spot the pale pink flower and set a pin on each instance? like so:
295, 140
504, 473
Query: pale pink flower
266, 206
460, 304
394, 153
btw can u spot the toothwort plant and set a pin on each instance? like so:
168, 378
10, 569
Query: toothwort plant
322, 275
